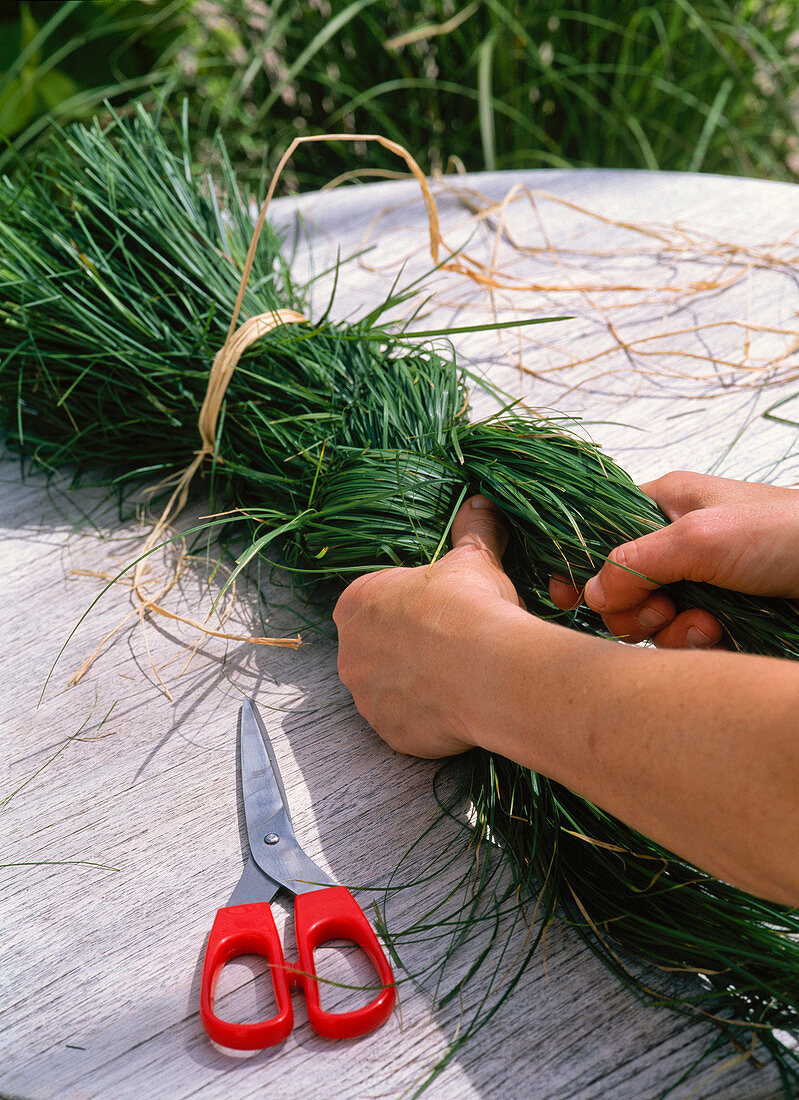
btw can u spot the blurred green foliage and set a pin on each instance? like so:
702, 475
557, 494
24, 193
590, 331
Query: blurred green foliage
705, 85
62, 60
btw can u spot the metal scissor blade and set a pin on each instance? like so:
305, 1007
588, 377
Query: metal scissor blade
261, 783
273, 845
253, 885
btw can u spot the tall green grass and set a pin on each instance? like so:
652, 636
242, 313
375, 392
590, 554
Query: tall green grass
699, 85
694, 85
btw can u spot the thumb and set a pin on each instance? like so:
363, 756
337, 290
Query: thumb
637, 568
480, 523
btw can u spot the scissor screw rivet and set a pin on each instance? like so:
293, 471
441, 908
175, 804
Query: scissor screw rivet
271, 838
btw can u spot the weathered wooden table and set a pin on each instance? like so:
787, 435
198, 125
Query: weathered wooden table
119, 804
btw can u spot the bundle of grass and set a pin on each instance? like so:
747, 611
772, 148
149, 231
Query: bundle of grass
352, 448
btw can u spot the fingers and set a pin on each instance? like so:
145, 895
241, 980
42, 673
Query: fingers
692, 629
648, 619
658, 621
680, 492
564, 594
697, 545
654, 613
637, 568
625, 580
479, 523
654, 618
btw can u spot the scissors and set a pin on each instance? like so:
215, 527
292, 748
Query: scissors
322, 911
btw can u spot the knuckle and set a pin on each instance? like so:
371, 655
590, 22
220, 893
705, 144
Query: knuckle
478, 555
346, 605
695, 529
681, 490
469, 551
489, 533
617, 555
495, 529
679, 479
669, 488
341, 611
364, 708
625, 556
705, 545
671, 482
354, 596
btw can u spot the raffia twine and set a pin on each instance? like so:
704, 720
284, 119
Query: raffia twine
225, 361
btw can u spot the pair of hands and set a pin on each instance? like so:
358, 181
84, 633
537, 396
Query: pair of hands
408, 637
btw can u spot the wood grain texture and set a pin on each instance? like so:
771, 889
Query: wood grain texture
119, 821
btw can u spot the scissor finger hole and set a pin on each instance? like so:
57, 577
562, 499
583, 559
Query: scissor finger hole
347, 979
244, 991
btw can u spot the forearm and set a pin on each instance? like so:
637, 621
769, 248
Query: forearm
696, 749
699, 751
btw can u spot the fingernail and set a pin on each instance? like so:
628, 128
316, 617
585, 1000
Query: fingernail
481, 502
594, 594
649, 619
696, 639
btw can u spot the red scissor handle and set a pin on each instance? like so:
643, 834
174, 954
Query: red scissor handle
332, 913
246, 930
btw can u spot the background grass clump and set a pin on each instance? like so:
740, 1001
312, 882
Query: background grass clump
706, 85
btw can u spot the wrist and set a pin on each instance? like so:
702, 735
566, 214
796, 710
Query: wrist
541, 691
500, 662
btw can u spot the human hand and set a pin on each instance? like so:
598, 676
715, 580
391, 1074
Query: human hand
733, 534
413, 643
